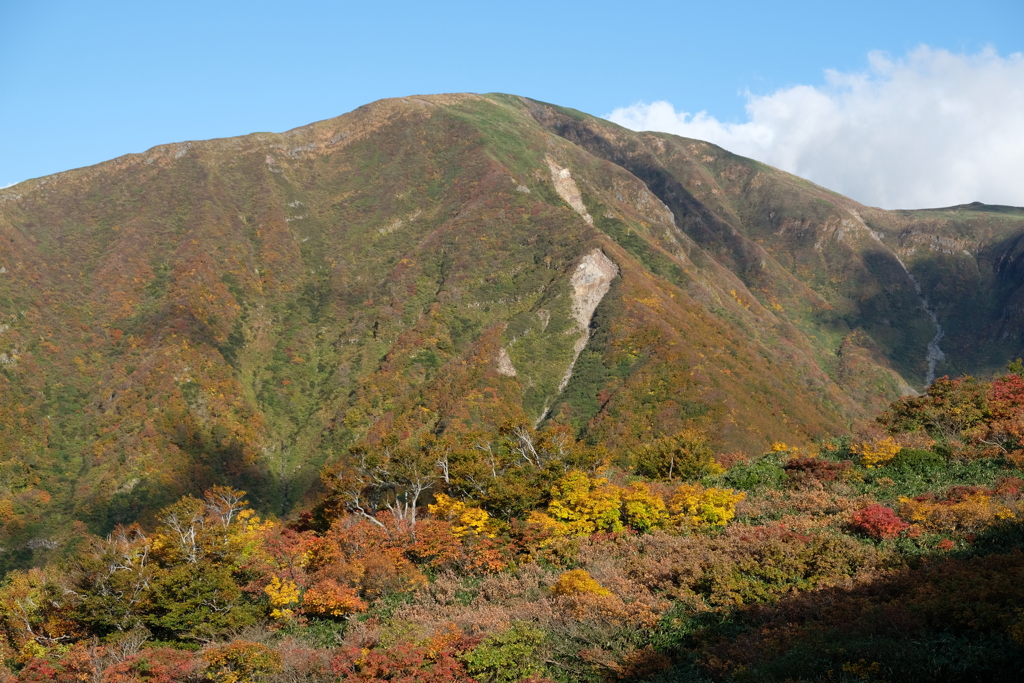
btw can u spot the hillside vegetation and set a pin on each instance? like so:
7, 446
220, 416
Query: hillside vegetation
521, 555
246, 311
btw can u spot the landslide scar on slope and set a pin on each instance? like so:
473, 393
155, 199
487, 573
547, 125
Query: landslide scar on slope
505, 366
566, 188
590, 282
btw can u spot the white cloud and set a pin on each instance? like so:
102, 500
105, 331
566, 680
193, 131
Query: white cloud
931, 129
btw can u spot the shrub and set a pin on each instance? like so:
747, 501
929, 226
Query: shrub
876, 452
585, 504
401, 662
760, 564
693, 506
283, 594
642, 664
578, 581
878, 522
801, 469
77, 664
946, 410
241, 662
965, 509
916, 460
154, 665
330, 599
750, 476
644, 511
1009, 486
509, 656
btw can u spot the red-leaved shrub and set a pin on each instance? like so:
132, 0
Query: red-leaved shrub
878, 521
404, 663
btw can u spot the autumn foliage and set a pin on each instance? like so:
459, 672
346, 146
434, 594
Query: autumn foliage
423, 563
878, 522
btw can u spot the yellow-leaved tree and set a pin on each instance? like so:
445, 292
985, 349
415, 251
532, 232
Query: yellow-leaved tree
643, 510
583, 505
284, 595
695, 507
466, 520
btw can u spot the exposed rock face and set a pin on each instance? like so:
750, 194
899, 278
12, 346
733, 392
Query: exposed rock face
590, 282
567, 189
505, 366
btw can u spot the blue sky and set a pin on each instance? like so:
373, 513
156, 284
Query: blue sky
86, 82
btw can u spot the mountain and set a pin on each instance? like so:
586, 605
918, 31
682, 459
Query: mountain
243, 310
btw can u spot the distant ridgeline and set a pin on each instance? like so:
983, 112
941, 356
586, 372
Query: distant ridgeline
244, 311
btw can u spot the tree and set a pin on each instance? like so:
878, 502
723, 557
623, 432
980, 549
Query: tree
392, 478
465, 519
584, 505
693, 506
36, 613
199, 602
180, 581
113, 579
215, 527
685, 455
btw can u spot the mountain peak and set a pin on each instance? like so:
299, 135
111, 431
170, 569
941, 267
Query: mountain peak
245, 309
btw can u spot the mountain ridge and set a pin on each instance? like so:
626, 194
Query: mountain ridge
245, 309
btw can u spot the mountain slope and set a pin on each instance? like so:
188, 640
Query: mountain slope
243, 310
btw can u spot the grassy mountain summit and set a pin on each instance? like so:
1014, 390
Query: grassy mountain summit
243, 310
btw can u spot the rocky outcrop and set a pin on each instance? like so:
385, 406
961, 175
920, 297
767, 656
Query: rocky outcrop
566, 188
590, 282
505, 366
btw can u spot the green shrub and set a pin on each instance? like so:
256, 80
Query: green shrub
753, 475
915, 460
508, 656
